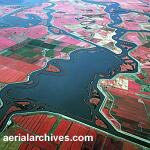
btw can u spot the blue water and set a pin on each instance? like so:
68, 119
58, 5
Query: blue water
69, 89
21, 2
14, 21
10, 2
